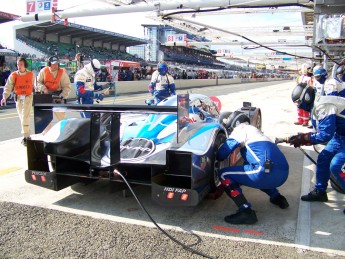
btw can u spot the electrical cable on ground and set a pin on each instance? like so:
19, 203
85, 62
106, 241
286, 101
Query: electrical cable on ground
194, 251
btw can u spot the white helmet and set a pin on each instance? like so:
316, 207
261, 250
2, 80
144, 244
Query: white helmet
306, 68
93, 67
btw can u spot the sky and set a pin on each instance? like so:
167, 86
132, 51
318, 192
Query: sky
130, 24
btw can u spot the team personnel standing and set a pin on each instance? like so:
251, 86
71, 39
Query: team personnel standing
85, 83
331, 86
329, 122
265, 168
162, 84
305, 77
22, 82
54, 80
4, 74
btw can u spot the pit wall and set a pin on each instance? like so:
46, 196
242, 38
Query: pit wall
141, 86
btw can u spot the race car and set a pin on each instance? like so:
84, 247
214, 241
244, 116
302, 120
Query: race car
170, 146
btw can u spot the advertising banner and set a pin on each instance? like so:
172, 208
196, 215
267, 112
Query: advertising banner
37, 6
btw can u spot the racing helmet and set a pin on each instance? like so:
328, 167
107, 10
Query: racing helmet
93, 67
162, 69
306, 69
320, 74
235, 119
303, 96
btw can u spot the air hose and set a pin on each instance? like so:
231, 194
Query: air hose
194, 251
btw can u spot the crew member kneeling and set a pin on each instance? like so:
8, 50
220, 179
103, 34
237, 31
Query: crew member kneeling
265, 167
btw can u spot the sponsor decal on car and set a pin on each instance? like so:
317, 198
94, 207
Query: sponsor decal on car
136, 149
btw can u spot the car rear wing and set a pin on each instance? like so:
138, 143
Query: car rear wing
44, 108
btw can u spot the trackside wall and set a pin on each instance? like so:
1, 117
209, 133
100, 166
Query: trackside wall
127, 87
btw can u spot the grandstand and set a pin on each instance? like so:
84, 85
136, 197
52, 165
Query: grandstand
7, 17
55, 38
39, 40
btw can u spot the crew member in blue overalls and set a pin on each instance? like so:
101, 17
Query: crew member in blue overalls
329, 121
265, 167
331, 86
85, 84
162, 84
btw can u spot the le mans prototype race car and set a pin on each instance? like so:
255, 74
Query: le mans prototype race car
170, 146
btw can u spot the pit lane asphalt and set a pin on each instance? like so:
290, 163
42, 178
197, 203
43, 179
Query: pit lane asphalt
36, 222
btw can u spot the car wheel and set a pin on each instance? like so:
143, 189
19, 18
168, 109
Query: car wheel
258, 123
222, 116
336, 186
214, 181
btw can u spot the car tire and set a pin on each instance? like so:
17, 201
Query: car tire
214, 181
335, 185
258, 122
222, 116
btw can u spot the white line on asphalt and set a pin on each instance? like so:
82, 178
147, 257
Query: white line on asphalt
303, 220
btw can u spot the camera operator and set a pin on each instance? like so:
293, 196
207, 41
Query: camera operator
80, 60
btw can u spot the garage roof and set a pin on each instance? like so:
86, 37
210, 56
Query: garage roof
86, 33
7, 17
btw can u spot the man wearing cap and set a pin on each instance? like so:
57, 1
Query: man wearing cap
54, 80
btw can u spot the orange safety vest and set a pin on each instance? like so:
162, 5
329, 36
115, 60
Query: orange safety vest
49, 81
23, 83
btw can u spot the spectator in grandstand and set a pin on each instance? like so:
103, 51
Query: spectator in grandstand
22, 82
54, 80
162, 84
85, 84
4, 74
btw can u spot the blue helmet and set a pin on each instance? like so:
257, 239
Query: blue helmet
162, 69
320, 74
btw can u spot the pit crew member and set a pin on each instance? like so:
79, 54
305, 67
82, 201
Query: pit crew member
329, 122
54, 80
162, 84
305, 77
85, 84
22, 82
265, 168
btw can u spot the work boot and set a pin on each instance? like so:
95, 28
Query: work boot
315, 195
243, 216
280, 201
